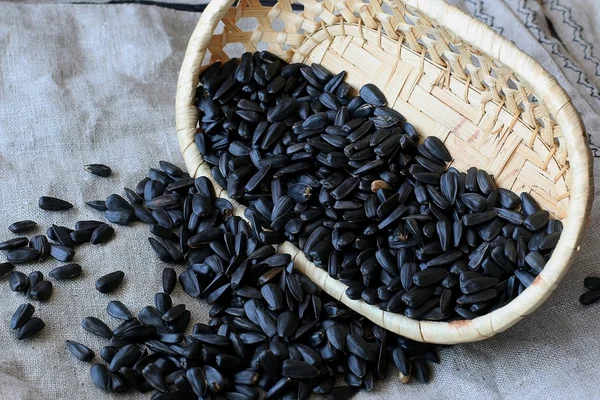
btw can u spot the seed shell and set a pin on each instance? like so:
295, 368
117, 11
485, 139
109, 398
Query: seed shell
110, 282
22, 255
22, 226
30, 328
21, 316
66, 272
98, 169
96, 327
53, 204
80, 351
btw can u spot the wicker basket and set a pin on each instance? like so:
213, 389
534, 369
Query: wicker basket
452, 77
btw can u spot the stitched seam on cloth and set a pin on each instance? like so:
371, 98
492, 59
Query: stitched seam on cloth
554, 47
479, 13
588, 47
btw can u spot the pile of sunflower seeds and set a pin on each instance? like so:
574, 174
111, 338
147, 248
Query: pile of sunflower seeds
345, 178
271, 330
58, 243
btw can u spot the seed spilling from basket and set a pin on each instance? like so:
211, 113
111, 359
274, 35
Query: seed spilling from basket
352, 184
271, 328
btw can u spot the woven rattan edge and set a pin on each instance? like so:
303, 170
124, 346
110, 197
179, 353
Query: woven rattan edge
579, 155
545, 87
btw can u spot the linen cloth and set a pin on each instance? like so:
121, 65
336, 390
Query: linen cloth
95, 83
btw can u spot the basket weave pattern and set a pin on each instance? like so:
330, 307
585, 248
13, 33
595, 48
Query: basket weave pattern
519, 126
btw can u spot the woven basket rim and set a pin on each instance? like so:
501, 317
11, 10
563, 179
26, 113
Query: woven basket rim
545, 87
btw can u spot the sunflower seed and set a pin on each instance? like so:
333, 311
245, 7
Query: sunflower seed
102, 234
96, 327
21, 316
61, 253
118, 310
30, 328
110, 282
14, 243
80, 351
98, 169
298, 370
372, 95
41, 244
120, 217
357, 346
22, 255
126, 356
53, 204
100, 376
66, 272
18, 281
99, 205
536, 220
22, 226
169, 280
6, 268
590, 297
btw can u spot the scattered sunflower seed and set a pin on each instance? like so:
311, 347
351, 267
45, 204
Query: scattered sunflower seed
98, 169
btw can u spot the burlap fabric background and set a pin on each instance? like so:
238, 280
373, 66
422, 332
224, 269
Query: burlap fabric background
82, 83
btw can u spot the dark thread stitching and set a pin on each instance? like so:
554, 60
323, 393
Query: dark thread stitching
567, 17
479, 13
554, 48
567, 63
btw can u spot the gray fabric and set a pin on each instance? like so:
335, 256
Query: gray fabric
96, 83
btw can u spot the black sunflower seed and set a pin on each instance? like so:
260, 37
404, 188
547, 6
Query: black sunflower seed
197, 380
298, 370
61, 253
6, 268
96, 327
78, 237
98, 169
30, 328
102, 234
590, 297
434, 145
485, 182
120, 217
592, 283
110, 282
477, 218
18, 281
160, 250
165, 202
536, 220
41, 244
116, 309
22, 255
359, 347
528, 204
66, 272
169, 280
21, 316
100, 376
53, 204
474, 201
14, 243
80, 351
508, 199
99, 205
22, 226
126, 356
372, 95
